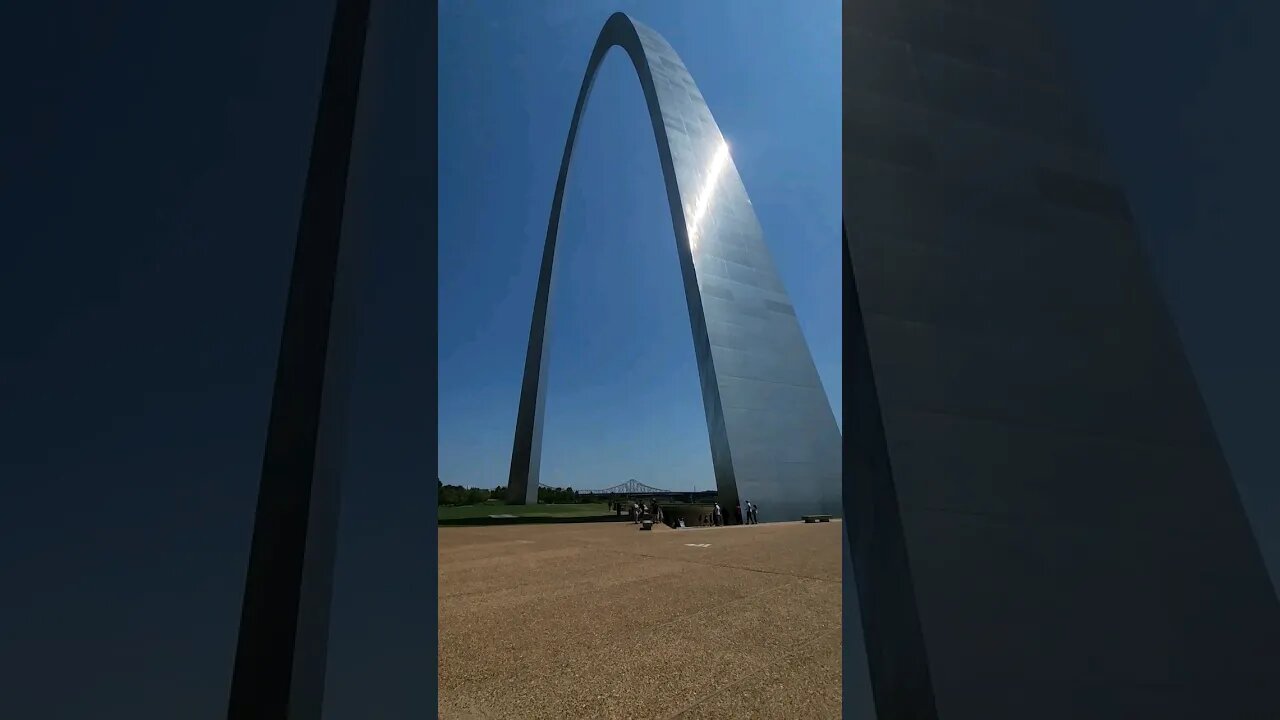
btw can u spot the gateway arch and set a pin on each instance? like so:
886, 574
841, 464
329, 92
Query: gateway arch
774, 438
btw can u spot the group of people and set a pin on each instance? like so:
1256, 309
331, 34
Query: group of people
640, 510
750, 517
746, 513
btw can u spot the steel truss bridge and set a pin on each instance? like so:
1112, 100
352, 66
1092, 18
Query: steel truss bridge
633, 487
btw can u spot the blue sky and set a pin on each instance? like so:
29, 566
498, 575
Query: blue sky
623, 399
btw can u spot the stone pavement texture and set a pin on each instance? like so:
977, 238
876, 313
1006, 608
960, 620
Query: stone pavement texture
606, 621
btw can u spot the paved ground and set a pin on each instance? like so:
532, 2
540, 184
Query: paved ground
605, 621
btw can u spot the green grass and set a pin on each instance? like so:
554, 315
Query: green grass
462, 512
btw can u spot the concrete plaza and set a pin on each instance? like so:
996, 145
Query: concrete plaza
603, 620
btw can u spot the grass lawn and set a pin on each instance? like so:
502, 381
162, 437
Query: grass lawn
461, 512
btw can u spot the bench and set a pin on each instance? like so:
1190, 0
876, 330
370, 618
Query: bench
815, 518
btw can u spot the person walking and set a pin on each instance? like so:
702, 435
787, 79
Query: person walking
716, 516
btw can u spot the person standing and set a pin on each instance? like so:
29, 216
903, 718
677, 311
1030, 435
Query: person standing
716, 518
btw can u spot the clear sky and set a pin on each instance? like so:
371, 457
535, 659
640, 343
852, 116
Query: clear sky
623, 396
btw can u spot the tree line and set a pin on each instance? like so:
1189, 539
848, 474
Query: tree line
459, 495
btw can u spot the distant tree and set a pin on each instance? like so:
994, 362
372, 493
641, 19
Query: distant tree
452, 495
